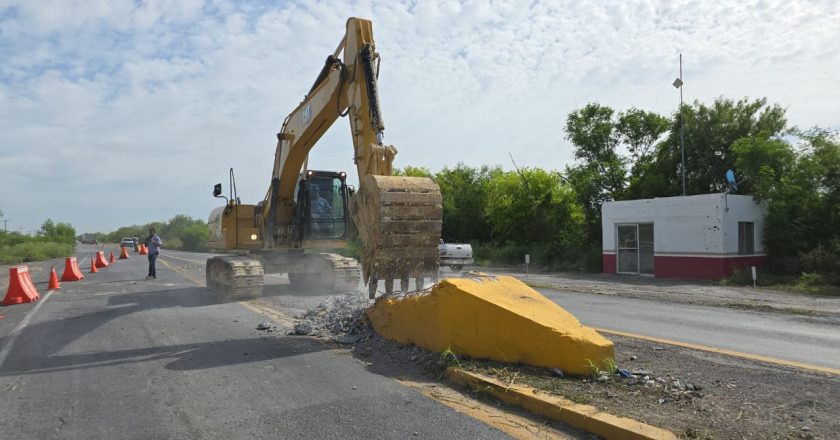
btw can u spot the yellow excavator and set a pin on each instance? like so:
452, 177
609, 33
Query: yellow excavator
305, 212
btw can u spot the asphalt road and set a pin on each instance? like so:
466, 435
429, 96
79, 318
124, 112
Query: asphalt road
114, 356
788, 337
784, 336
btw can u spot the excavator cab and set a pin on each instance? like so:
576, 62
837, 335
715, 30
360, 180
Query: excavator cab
322, 212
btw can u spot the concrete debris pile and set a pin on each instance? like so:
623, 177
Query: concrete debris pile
340, 317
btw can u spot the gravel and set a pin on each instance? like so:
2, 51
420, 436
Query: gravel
339, 318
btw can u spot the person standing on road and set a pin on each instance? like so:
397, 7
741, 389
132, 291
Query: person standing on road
153, 243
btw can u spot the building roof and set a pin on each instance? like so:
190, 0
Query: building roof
696, 197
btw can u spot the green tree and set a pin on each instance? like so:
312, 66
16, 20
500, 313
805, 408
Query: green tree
179, 232
710, 132
765, 162
801, 189
535, 211
639, 131
65, 233
47, 228
194, 237
411, 171
603, 172
464, 193
57, 232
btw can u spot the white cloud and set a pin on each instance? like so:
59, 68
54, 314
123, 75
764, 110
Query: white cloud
119, 112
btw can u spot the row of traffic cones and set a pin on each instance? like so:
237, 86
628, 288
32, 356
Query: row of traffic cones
22, 289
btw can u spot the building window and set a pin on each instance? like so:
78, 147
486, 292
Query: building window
746, 238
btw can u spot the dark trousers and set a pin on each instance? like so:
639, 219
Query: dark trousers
152, 258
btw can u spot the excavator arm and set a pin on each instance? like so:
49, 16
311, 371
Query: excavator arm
399, 218
343, 88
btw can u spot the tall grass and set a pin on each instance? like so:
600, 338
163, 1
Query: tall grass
34, 251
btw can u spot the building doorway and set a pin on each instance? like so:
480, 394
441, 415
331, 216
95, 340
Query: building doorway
635, 248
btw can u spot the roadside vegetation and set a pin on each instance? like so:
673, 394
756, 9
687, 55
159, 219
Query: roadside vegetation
53, 240
180, 232
555, 215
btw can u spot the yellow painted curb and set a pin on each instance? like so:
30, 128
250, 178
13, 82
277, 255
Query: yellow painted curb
585, 417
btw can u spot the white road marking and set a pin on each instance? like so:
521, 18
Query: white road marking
21, 325
108, 293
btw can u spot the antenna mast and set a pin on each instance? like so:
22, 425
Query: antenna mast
682, 129
678, 83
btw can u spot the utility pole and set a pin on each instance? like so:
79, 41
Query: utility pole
682, 128
678, 83
4, 225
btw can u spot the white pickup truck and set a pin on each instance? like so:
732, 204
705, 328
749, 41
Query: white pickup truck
455, 255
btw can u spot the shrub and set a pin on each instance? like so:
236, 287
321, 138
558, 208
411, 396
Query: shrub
34, 251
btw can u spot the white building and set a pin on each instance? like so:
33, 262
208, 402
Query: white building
702, 236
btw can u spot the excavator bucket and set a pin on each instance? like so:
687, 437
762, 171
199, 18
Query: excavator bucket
399, 220
497, 318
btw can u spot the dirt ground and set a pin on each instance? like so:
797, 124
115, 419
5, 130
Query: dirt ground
695, 394
701, 292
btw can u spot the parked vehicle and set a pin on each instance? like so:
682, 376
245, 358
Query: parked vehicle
455, 255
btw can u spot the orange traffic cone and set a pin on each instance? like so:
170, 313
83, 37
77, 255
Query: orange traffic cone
93, 265
100, 259
112, 259
21, 289
143, 250
71, 270
123, 254
53, 280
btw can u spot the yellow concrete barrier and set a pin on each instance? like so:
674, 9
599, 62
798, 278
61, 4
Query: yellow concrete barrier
490, 317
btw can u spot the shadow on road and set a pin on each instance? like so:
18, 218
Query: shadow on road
36, 351
277, 290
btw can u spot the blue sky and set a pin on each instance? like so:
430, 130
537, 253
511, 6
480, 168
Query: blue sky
123, 112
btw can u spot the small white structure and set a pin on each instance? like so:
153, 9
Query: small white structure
702, 236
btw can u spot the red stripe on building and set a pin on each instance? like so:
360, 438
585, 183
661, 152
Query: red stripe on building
692, 267
609, 263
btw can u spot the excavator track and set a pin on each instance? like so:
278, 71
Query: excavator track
235, 277
399, 219
334, 273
